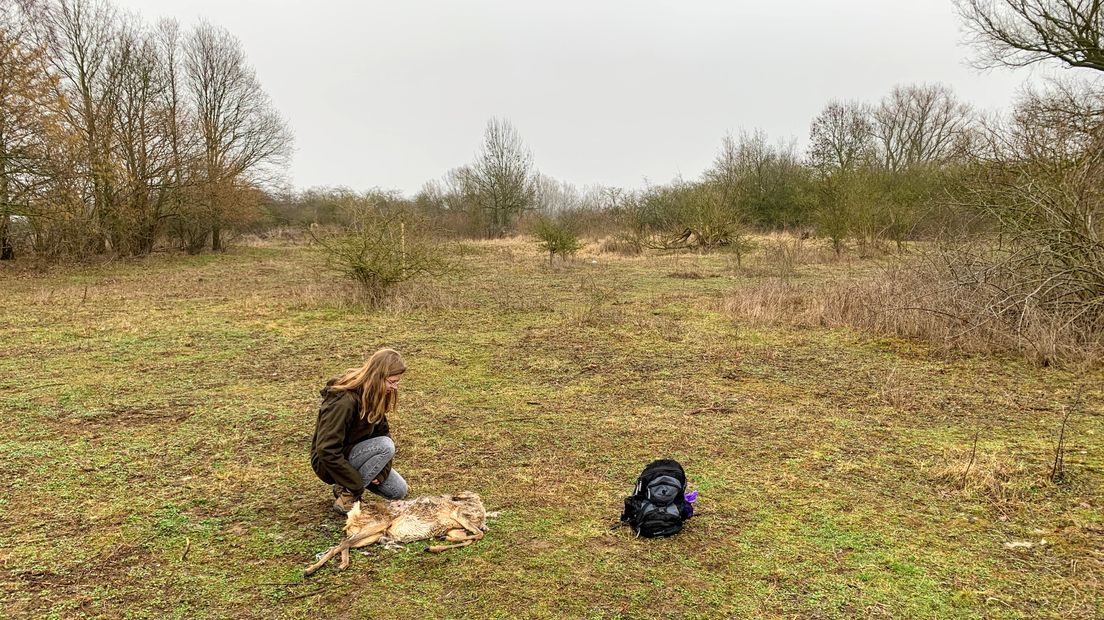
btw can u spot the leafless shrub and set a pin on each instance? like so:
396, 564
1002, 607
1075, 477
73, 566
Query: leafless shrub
1040, 180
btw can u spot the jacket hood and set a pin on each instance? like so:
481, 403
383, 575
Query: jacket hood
329, 387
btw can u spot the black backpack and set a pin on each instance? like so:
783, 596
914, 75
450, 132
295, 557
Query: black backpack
658, 505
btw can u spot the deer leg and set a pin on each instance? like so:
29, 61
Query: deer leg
477, 533
371, 540
440, 548
463, 539
343, 547
456, 535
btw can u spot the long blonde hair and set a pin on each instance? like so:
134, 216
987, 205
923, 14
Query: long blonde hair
370, 382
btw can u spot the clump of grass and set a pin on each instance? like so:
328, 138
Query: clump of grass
894, 389
991, 475
781, 255
665, 327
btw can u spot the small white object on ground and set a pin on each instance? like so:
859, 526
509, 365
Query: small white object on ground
1024, 544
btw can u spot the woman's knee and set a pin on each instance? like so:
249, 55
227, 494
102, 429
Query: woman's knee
388, 446
398, 490
372, 448
394, 487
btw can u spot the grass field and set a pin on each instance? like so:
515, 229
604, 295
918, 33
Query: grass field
157, 417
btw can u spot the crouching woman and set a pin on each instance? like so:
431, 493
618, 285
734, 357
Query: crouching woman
352, 447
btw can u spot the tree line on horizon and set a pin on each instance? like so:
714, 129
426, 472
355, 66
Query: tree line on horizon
116, 136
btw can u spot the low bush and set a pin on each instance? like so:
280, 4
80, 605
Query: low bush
557, 236
380, 248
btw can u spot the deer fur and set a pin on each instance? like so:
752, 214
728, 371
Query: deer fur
460, 519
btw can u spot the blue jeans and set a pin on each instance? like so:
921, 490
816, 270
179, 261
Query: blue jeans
369, 457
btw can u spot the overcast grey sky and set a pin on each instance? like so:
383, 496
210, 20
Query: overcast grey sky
392, 94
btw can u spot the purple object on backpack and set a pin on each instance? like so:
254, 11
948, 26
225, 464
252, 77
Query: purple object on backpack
687, 510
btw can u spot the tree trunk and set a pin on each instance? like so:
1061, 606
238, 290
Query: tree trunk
216, 238
6, 250
148, 238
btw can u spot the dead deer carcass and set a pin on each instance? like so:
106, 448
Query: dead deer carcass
460, 519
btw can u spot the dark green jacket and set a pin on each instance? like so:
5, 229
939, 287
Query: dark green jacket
339, 428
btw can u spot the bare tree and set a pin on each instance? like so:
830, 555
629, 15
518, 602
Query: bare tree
241, 130
841, 137
920, 125
143, 146
725, 202
25, 98
878, 167
1017, 33
554, 197
105, 109
177, 123
758, 182
503, 176
81, 37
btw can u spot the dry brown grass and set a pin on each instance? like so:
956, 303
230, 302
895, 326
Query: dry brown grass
614, 245
991, 475
913, 299
277, 236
